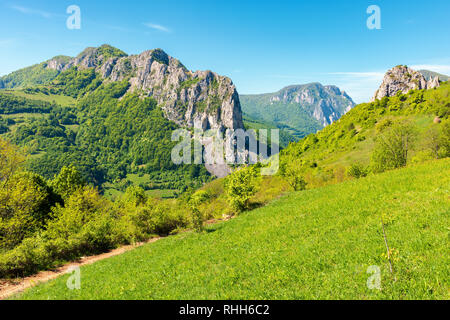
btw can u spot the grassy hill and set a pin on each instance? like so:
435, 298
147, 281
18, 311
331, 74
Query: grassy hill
325, 156
34, 75
315, 244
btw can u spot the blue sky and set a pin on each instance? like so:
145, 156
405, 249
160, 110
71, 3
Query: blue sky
262, 45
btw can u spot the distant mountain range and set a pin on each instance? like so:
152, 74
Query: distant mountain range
298, 110
429, 75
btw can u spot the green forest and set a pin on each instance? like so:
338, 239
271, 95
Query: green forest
107, 139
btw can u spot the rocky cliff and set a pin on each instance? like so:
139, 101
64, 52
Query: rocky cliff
403, 79
326, 104
304, 109
201, 99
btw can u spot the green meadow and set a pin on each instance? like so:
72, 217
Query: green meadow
313, 244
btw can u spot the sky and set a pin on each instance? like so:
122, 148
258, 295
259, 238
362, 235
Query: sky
261, 45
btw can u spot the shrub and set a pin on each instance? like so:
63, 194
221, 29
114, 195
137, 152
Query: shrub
167, 218
293, 170
240, 186
357, 171
392, 147
68, 181
25, 204
135, 196
198, 216
10, 160
444, 140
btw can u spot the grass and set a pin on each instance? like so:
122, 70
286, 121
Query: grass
362, 151
316, 244
64, 101
112, 192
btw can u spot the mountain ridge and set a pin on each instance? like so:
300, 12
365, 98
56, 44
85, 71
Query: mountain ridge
304, 108
431, 74
201, 99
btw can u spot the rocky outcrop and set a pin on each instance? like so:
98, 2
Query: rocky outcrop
58, 63
326, 104
201, 99
403, 79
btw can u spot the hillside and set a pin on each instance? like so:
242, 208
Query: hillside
316, 244
285, 136
324, 157
298, 110
34, 75
113, 114
307, 238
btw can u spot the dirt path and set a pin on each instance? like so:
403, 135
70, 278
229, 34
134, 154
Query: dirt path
12, 287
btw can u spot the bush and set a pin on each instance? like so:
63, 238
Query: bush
240, 186
293, 170
392, 147
198, 216
25, 204
357, 171
80, 208
444, 140
68, 181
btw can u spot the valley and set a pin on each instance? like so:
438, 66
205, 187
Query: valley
86, 168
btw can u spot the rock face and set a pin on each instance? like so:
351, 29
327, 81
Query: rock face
326, 104
201, 99
429, 75
403, 79
318, 103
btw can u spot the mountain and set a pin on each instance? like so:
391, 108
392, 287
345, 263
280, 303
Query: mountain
113, 114
202, 99
403, 79
300, 109
429, 75
31, 76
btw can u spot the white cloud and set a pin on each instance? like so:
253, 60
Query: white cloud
444, 69
26, 10
156, 27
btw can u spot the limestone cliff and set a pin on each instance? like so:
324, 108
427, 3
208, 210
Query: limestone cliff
201, 99
404, 79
